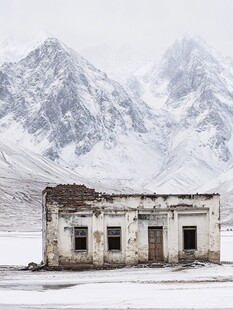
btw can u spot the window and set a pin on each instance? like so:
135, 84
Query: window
190, 237
114, 238
80, 238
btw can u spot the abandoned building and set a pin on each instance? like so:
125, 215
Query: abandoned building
82, 227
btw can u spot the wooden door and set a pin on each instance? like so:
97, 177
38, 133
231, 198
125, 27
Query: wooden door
155, 244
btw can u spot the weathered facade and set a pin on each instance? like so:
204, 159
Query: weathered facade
84, 228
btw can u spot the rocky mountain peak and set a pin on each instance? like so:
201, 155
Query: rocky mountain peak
191, 89
12, 50
57, 103
61, 100
50, 49
189, 54
188, 44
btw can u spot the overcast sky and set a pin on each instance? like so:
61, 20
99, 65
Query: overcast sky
145, 23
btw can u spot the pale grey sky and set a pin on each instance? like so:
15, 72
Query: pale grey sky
145, 23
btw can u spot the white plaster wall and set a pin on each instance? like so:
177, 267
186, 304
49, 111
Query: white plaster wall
117, 220
131, 224
66, 247
214, 231
52, 237
170, 212
200, 220
143, 242
98, 238
44, 230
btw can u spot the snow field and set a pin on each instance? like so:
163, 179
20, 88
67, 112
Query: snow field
20, 248
209, 286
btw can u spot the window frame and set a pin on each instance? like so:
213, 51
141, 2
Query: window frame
116, 236
190, 228
80, 237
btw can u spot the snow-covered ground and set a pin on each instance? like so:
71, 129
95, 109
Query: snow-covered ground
227, 246
20, 248
209, 286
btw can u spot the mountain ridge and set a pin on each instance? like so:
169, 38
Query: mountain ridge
167, 129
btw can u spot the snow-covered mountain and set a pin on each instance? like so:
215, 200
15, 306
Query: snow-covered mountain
24, 175
191, 88
12, 50
55, 102
169, 129
222, 184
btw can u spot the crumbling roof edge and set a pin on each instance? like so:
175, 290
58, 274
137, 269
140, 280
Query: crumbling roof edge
146, 195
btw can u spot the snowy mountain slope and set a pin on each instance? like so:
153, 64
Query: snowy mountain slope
191, 86
222, 184
24, 175
55, 102
57, 97
168, 130
131, 163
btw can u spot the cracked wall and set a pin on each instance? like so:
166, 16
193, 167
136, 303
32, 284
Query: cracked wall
68, 206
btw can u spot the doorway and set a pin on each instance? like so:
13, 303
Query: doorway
155, 236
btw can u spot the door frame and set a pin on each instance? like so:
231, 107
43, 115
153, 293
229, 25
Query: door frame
155, 228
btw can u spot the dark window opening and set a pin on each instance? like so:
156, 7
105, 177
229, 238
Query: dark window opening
80, 237
190, 238
114, 238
